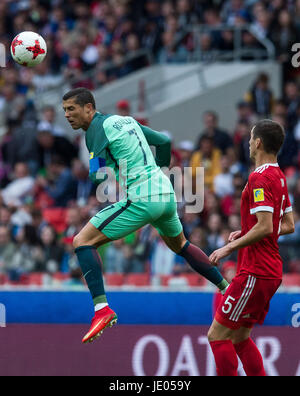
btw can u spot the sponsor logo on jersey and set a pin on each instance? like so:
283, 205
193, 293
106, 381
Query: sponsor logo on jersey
259, 195
91, 156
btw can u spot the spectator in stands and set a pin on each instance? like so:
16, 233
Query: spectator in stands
289, 244
27, 252
208, 157
186, 15
171, 51
48, 123
74, 222
296, 129
292, 100
241, 139
12, 104
162, 260
7, 250
223, 182
50, 145
185, 149
21, 149
132, 46
234, 222
43, 79
261, 26
115, 259
296, 13
190, 221
246, 113
75, 279
284, 34
51, 255
261, 97
199, 238
288, 155
84, 186
123, 108
214, 226
232, 10
60, 184
5, 213
38, 222
221, 138
20, 187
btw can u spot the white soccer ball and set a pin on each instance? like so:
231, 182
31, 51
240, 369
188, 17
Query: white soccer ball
28, 49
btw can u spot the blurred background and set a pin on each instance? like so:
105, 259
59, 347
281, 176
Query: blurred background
202, 72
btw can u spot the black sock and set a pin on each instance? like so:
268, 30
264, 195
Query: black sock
90, 264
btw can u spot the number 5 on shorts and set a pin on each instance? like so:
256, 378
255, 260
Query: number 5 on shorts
227, 306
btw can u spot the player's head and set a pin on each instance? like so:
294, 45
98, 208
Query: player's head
79, 107
267, 137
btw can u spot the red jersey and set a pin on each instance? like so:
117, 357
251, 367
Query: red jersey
265, 191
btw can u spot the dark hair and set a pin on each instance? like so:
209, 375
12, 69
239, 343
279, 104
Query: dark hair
272, 135
212, 114
82, 96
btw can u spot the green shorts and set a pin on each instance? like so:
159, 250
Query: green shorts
124, 217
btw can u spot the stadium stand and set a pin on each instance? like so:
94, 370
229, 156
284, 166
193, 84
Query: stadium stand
120, 38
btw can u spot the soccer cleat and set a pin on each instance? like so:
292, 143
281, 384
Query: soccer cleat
104, 318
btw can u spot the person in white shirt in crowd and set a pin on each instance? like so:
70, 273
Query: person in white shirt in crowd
20, 187
223, 183
48, 122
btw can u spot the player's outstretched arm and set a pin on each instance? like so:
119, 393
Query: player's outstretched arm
262, 229
287, 224
162, 144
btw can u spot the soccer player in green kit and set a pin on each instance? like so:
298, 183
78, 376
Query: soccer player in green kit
113, 141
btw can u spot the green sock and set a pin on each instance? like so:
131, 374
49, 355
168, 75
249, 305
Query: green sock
90, 264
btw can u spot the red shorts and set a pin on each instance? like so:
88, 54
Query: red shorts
246, 301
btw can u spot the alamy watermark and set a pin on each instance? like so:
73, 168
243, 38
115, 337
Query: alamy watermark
2, 315
296, 58
296, 315
2, 55
141, 184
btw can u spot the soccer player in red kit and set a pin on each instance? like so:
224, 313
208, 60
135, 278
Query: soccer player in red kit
266, 213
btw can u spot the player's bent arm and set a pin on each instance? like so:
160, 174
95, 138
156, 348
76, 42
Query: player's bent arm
162, 144
262, 229
287, 224
98, 171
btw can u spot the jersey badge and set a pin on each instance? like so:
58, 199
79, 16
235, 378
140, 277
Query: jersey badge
259, 195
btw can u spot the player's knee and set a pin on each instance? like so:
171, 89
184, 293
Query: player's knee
218, 333
176, 244
78, 241
211, 336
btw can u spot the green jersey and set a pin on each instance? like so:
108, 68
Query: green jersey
123, 145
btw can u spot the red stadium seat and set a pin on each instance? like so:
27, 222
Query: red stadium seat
24, 279
193, 280
36, 278
3, 279
137, 279
60, 276
294, 266
56, 217
114, 279
164, 279
291, 280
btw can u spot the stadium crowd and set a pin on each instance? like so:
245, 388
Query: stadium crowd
45, 193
